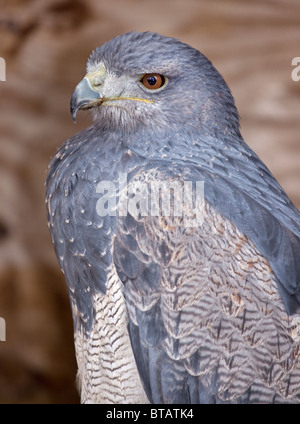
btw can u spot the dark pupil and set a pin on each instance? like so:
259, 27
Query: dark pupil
151, 80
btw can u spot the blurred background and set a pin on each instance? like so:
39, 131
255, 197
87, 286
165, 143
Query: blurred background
45, 44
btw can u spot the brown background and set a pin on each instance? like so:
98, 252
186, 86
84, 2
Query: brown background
46, 44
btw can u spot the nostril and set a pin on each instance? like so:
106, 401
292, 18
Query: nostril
98, 81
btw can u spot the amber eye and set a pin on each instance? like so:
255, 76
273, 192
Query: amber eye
153, 81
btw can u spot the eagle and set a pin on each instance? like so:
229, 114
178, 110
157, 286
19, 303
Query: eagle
180, 250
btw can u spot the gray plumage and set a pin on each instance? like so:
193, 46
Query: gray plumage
164, 312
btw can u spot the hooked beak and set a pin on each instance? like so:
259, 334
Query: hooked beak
89, 93
84, 97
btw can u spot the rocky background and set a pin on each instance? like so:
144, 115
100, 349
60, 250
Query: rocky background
45, 45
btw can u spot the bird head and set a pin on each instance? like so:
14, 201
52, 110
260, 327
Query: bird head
146, 79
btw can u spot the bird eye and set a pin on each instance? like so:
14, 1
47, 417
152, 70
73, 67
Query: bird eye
153, 81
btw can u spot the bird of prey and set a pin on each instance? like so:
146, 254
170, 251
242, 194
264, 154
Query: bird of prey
180, 250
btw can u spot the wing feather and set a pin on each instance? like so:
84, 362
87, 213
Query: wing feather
207, 314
